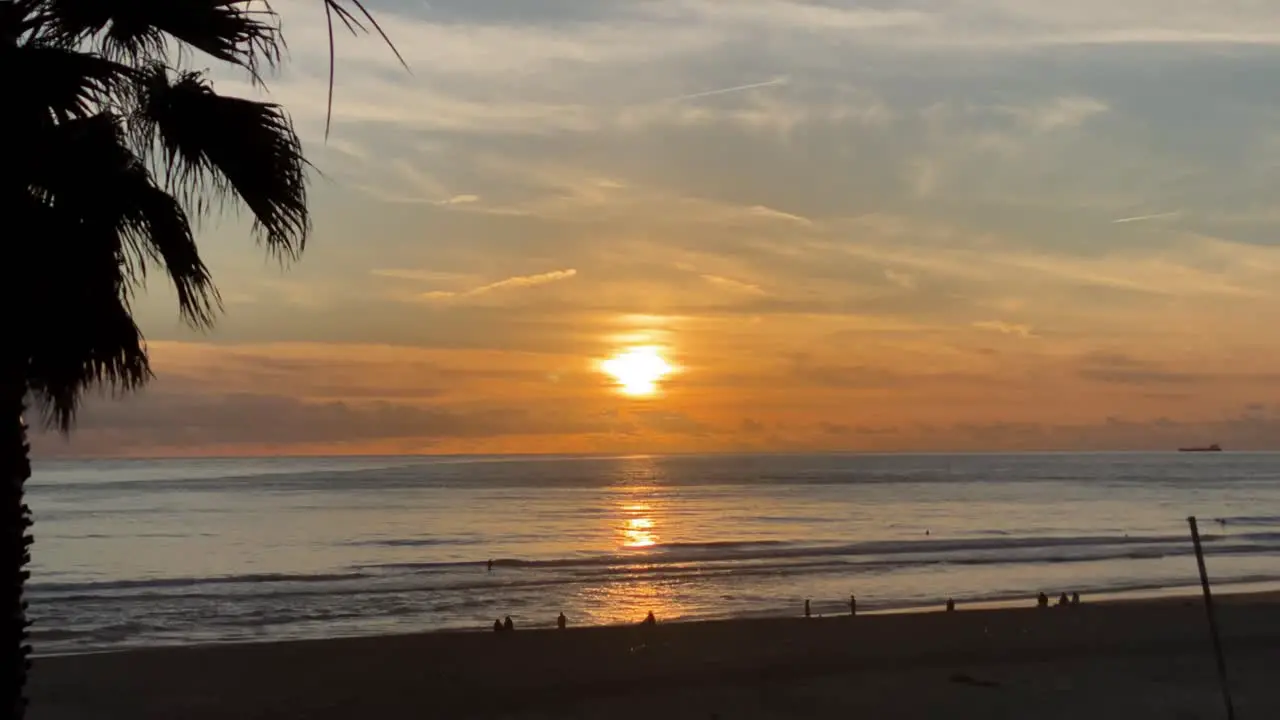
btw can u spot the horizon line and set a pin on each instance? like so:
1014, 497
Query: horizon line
633, 455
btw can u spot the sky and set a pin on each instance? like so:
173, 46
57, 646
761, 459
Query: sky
881, 226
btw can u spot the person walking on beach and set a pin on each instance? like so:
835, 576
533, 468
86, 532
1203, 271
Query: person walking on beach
562, 621
1075, 598
853, 605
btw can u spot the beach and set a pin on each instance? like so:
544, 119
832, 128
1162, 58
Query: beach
1137, 659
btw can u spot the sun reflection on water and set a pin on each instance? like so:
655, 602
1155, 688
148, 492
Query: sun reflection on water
639, 509
638, 533
638, 528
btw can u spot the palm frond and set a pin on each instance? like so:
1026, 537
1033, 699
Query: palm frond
338, 8
78, 332
241, 32
116, 155
17, 19
68, 84
94, 344
91, 177
215, 147
158, 224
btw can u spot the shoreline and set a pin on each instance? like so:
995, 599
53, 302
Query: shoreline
707, 667
1226, 593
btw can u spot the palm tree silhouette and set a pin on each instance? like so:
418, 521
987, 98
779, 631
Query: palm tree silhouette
114, 148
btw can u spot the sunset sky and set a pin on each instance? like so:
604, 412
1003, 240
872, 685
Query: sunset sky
885, 225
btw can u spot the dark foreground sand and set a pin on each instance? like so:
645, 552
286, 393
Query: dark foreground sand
1096, 662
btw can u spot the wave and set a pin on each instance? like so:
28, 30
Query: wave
1255, 520
766, 550
676, 561
414, 542
185, 582
291, 622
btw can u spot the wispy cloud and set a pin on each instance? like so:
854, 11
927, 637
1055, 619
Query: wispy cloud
459, 200
768, 213
906, 281
1061, 113
1005, 328
511, 283
1143, 218
734, 285
429, 276
725, 91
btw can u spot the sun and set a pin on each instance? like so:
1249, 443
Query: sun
637, 370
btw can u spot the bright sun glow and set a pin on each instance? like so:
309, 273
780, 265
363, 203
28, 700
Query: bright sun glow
637, 370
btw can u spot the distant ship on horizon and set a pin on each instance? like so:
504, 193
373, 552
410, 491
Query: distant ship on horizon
1212, 448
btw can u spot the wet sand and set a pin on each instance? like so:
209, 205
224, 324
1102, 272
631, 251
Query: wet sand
1147, 659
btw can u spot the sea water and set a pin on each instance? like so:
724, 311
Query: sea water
157, 552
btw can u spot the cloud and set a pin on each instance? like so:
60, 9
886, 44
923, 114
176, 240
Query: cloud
415, 275
806, 371
769, 213
1120, 369
183, 423
734, 285
733, 89
672, 423
1061, 113
1248, 428
511, 283
906, 190
906, 281
460, 200
1005, 328
1144, 218
465, 59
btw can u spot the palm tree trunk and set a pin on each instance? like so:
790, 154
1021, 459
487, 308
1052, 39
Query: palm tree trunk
15, 543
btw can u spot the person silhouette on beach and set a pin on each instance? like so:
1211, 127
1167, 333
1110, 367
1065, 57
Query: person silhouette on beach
497, 626
853, 604
1042, 600
1075, 598
507, 625
562, 621
951, 605
650, 619
490, 565
806, 608
1062, 600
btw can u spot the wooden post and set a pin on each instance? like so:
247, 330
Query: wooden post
1213, 620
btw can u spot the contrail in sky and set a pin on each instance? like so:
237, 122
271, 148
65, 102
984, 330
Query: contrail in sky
1140, 218
735, 88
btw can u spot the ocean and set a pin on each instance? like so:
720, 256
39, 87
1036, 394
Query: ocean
133, 553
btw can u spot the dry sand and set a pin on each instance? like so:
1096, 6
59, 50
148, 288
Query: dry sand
1148, 659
